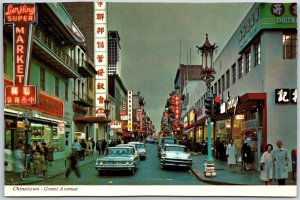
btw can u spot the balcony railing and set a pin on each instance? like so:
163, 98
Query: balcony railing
83, 100
54, 48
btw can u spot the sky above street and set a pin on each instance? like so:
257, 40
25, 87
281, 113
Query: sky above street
150, 39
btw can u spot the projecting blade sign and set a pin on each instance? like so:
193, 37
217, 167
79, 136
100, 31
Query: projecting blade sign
22, 17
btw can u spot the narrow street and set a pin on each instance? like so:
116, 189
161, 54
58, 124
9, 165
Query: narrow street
148, 173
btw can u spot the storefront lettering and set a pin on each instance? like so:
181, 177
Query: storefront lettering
285, 96
286, 20
231, 103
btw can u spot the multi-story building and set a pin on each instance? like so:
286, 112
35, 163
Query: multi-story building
256, 77
114, 53
58, 66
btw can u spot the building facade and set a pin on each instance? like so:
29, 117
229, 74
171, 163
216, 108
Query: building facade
256, 78
114, 53
60, 71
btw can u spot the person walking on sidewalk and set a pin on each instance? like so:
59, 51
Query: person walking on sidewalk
247, 154
83, 148
93, 145
103, 146
42, 164
281, 161
9, 163
77, 149
50, 153
267, 165
98, 147
231, 155
73, 165
19, 160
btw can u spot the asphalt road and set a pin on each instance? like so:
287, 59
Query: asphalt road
148, 173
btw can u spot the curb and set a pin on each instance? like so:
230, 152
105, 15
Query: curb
52, 175
202, 178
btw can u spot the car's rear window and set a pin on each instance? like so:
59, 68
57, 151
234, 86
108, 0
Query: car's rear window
169, 141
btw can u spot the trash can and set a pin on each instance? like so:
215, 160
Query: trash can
294, 163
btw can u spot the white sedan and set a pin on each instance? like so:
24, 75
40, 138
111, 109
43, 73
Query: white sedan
174, 155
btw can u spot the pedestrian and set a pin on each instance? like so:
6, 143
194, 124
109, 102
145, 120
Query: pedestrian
93, 145
77, 149
267, 165
98, 147
222, 151
36, 161
42, 164
247, 154
9, 163
217, 145
35, 147
83, 148
45, 151
231, 154
281, 161
28, 159
89, 147
50, 153
73, 165
103, 146
19, 160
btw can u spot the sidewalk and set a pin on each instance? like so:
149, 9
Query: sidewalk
224, 176
57, 168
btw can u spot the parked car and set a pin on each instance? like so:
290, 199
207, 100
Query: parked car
118, 158
141, 149
174, 155
164, 141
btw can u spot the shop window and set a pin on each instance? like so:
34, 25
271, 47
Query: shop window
56, 86
256, 53
227, 79
240, 63
42, 78
248, 61
66, 91
223, 83
289, 42
233, 71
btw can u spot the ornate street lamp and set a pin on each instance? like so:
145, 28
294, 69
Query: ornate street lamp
208, 75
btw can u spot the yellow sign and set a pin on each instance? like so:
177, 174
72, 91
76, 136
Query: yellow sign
192, 116
129, 126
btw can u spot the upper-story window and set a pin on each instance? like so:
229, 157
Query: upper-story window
289, 42
66, 91
216, 89
248, 61
219, 86
56, 86
240, 63
256, 53
42, 78
233, 70
223, 83
227, 79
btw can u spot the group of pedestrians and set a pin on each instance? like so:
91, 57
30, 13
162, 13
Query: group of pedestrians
28, 159
83, 148
273, 164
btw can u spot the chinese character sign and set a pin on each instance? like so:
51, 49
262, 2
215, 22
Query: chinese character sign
129, 110
22, 17
100, 56
285, 96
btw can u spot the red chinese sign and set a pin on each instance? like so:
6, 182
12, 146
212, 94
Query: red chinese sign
22, 17
49, 105
175, 101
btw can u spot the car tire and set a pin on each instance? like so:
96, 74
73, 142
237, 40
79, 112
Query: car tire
132, 171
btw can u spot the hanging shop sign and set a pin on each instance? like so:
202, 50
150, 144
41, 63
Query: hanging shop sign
285, 96
100, 55
129, 110
22, 17
231, 103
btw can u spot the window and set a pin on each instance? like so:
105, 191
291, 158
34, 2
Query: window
91, 81
219, 83
233, 71
216, 89
256, 53
248, 61
66, 91
78, 88
240, 63
82, 89
289, 42
211, 90
227, 79
223, 83
56, 86
42, 78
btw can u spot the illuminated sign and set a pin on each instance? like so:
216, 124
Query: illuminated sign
285, 96
129, 110
22, 17
100, 56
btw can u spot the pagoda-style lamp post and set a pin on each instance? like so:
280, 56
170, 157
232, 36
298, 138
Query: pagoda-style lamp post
208, 75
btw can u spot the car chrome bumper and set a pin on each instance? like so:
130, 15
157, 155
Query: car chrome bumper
179, 163
114, 168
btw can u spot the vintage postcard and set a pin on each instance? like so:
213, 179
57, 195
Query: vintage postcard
149, 98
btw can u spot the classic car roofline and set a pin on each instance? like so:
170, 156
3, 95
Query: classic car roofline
175, 145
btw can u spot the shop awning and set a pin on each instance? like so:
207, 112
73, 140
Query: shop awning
100, 120
188, 130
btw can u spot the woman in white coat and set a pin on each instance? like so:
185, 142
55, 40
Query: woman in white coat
231, 155
267, 165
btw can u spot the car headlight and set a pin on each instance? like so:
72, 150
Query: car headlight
163, 155
129, 163
101, 163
